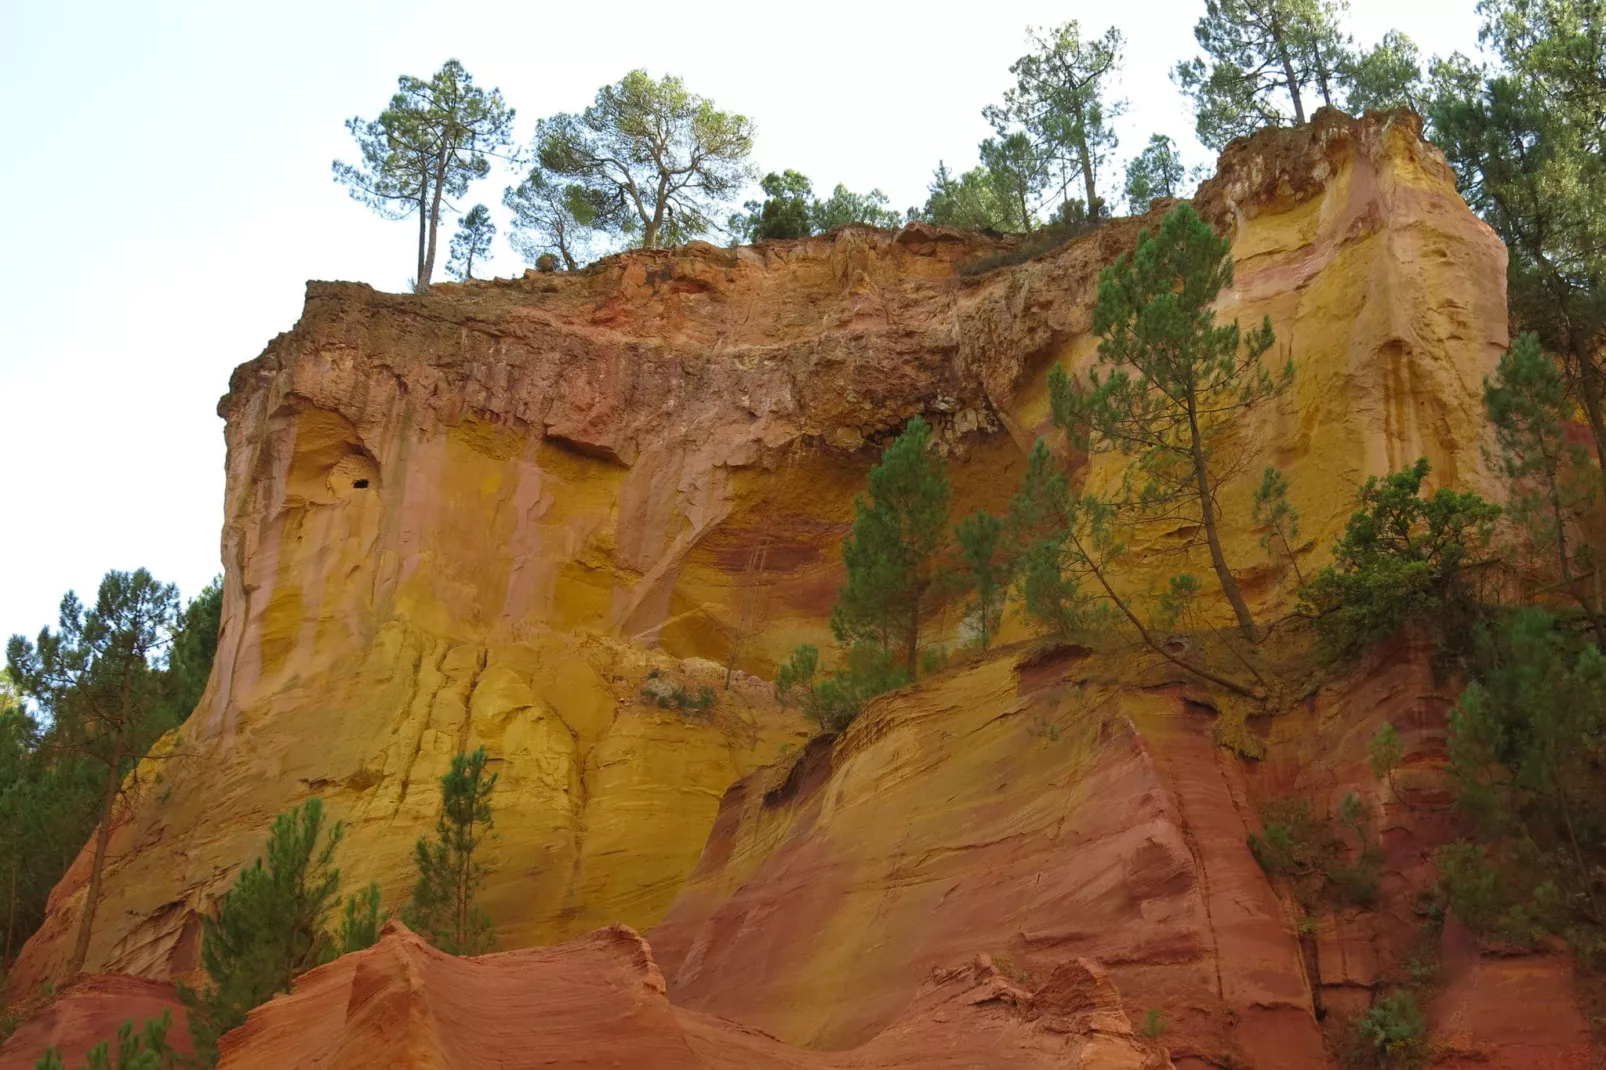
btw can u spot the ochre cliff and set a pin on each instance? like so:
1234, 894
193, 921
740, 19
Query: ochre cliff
486, 515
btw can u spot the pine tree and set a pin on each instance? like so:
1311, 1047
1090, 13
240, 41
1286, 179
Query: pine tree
267, 929
1157, 171
891, 553
435, 138
1550, 476
1176, 380
1060, 105
1258, 53
983, 571
472, 242
99, 680
1272, 510
442, 909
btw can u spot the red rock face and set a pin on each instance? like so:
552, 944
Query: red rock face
600, 1002
467, 518
90, 1012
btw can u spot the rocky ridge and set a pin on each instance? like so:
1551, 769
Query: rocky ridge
485, 516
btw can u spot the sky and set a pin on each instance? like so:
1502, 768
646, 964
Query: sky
168, 170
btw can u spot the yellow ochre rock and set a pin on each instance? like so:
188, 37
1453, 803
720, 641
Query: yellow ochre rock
484, 515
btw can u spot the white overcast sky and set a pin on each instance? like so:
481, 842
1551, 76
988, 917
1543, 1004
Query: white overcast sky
167, 171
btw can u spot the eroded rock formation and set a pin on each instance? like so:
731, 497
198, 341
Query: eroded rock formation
600, 1002
496, 514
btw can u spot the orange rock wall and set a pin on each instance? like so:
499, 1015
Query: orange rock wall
484, 516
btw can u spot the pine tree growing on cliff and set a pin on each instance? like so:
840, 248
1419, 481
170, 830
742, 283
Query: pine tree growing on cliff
1061, 104
891, 553
550, 216
1549, 484
472, 242
99, 680
659, 157
442, 909
1528, 144
1175, 381
267, 929
1260, 54
983, 571
1155, 172
435, 138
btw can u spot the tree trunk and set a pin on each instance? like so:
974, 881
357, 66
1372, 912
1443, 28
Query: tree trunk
423, 240
1288, 73
97, 869
1589, 398
1087, 176
1207, 515
912, 654
11, 915
428, 269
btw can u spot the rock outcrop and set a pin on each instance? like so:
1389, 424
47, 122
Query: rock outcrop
599, 1002
512, 513
90, 1012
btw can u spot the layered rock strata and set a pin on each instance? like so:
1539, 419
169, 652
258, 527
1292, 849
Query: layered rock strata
513, 513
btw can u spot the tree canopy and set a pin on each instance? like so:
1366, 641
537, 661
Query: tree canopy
1061, 108
1263, 61
433, 139
659, 157
472, 242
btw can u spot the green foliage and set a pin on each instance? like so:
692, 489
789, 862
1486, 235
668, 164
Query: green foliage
673, 695
1319, 867
1262, 58
146, 1050
836, 700
1528, 145
844, 207
1387, 75
1402, 557
1497, 894
658, 158
191, 650
268, 928
790, 210
1155, 172
100, 681
1385, 752
784, 212
1175, 381
1272, 511
1177, 601
983, 572
1053, 128
891, 553
552, 217
55, 778
1551, 480
1153, 1024
979, 199
360, 925
442, 909
1059, 538
1524, 745
472, 242
1394, 1028
434, 138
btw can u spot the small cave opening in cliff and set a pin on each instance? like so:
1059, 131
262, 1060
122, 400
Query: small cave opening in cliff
359, 484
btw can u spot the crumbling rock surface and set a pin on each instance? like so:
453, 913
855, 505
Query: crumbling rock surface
90, 1011
523, 513
599, 1001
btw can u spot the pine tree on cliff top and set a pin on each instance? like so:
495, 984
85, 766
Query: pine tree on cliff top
1175, 381
442, 909
891, 553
